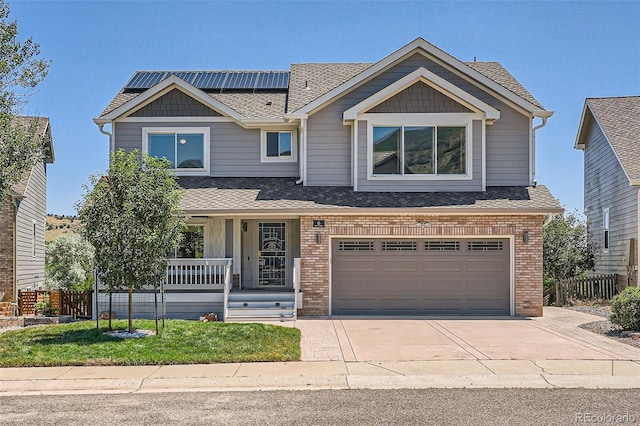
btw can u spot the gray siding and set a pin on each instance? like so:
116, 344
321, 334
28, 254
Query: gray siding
32, 210
329, 140
175, 104
607, 186
419, 98
235, 151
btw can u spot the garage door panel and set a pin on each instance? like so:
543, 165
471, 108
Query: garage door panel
434, 277
441, 265
398, 266
361, 265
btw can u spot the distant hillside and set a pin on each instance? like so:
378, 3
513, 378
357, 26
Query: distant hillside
58, 225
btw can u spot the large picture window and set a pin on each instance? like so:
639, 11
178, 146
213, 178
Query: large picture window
185, 148
192, 244
419, 150
278, 146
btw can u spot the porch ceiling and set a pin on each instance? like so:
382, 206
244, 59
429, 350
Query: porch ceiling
241, 195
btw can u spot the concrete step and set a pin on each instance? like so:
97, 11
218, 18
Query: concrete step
259, 312
260, 304
261, 296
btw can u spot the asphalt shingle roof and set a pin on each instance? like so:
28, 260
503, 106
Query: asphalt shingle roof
310, 81
619, 119
226, 195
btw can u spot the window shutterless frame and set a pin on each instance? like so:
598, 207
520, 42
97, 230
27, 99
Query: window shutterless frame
278, 146
414, 122
180, 145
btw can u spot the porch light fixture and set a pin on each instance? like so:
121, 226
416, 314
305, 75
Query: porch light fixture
525, 237
183, 141
318, 238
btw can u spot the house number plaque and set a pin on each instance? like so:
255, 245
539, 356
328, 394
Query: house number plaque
318, 223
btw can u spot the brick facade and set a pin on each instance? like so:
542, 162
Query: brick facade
7, 217
528, 256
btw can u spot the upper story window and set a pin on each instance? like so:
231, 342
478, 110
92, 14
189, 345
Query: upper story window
186, 148
419, 146
278, 146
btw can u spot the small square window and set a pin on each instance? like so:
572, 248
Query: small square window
278, 146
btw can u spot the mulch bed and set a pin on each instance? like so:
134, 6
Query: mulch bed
605, 327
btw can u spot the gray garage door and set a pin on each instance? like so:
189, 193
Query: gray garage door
421, 276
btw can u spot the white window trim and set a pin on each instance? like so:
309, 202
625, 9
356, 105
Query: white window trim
436, 120
606, 222
205, 131
263, 147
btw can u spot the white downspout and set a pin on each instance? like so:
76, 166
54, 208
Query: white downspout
532, 154
302, 160
112, 146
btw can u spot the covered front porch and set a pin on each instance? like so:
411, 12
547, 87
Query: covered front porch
251, 264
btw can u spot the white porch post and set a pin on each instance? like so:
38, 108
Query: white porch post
237, 249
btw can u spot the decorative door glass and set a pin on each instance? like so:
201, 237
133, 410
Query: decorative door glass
272, 263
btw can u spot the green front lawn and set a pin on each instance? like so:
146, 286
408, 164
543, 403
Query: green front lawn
181, 342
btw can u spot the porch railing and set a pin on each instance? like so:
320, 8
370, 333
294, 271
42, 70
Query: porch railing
190, 274
296, 285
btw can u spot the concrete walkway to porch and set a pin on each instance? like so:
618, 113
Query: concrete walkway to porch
377, 353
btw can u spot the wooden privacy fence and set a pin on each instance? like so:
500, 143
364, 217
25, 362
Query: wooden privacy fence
587, 288
65, 302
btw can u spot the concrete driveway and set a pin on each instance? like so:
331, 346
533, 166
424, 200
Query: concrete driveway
555, 336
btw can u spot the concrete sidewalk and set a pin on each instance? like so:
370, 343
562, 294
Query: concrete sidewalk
323, 375
383, 353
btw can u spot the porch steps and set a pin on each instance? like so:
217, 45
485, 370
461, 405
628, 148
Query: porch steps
254, 306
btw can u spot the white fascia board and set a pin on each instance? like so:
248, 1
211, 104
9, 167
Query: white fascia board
164, 87
430, 79
419, 45
579, 143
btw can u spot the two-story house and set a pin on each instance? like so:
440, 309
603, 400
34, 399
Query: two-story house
609, 135
405, 186
23, 215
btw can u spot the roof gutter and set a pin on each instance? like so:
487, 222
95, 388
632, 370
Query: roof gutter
535, 211
544, 116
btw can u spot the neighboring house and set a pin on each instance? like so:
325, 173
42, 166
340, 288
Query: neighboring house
23, 216
405, 186
609, 135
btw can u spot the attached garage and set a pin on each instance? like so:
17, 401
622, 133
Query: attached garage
420, 276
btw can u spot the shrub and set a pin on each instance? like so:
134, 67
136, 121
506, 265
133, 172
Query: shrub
625, 309
44, 306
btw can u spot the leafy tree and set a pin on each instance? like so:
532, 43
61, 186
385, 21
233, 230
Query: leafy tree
567, 249
21, 70
69, 263
131, 217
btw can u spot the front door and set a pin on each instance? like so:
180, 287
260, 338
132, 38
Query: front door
272, 254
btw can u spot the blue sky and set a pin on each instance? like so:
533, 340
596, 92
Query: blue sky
562, 52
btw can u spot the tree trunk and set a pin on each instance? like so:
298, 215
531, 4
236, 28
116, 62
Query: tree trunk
130, 309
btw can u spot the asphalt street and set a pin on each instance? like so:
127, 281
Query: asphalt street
331, 407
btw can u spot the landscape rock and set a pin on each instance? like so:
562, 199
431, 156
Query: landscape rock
105, 315
209, 317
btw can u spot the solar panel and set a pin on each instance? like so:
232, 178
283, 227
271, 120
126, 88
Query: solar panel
145, 79
273, 80
210, 80
240, 80
214, 80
